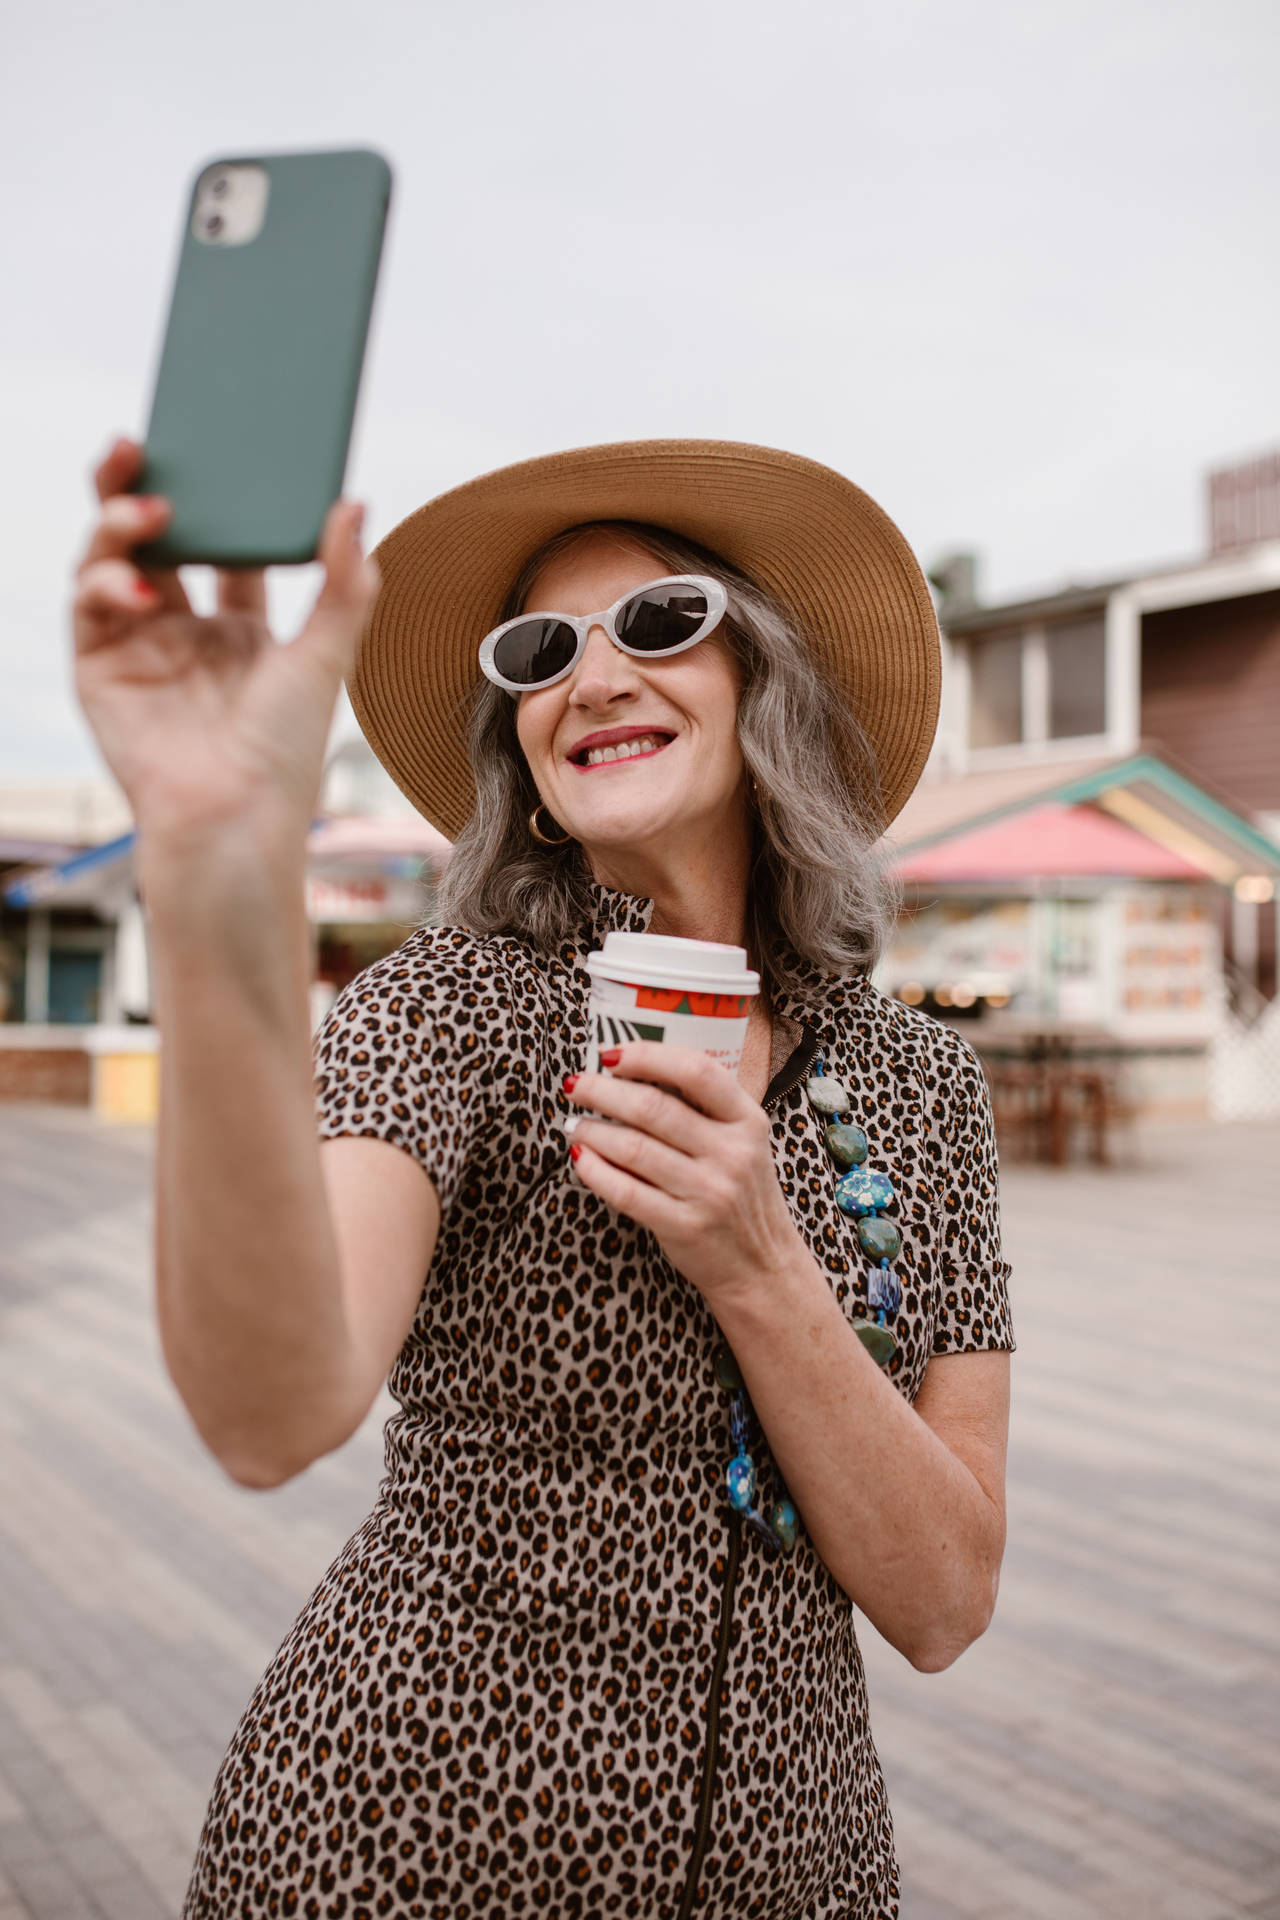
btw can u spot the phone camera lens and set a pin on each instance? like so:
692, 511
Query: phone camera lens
214, 223
220, 186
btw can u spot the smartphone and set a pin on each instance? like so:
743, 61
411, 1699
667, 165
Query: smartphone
260, 366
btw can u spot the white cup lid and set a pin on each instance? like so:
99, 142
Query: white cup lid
661, 960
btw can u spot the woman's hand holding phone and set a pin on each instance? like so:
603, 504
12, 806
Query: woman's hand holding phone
209, 724
217, 735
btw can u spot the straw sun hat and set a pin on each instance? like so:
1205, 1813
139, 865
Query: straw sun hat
815, 542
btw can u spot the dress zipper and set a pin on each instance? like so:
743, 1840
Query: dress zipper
794, 1070
788, 1076
712, 1754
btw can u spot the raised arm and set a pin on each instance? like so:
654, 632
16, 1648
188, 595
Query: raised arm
287, 1270
285, 1280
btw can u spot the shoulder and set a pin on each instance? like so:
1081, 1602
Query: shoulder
447, 982
452, 965
936, 1054
909, 1032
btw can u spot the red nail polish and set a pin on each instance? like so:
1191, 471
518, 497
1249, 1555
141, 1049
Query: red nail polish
574, 1151
610, 1056
569, 1082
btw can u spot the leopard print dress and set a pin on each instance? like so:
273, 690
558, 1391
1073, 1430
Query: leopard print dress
551, 1674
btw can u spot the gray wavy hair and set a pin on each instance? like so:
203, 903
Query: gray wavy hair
817, 894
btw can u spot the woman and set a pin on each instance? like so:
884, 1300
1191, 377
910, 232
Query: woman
556, 1671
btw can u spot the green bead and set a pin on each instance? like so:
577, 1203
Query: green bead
878, 1238
727, 1369
785, 1522
847, 1145
878, 1341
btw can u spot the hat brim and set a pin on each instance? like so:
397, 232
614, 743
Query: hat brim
815, 542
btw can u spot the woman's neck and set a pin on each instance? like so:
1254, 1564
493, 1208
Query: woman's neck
702, 913
703, 898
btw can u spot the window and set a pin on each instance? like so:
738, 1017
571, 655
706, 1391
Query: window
995, 691
1036, 684
1077, 679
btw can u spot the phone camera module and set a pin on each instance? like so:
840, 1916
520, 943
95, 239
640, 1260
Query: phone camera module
230, 204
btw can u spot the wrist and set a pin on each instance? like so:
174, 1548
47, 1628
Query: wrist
228, 926
241, 867
773, 1293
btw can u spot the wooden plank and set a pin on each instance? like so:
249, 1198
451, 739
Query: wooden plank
1106, 1752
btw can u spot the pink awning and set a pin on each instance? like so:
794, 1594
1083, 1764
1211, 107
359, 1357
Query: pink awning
357, 837
1049, 842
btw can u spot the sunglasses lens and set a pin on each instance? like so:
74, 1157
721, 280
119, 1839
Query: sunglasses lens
535, 651
661, 617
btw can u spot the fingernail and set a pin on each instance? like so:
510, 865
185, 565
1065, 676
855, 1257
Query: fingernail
610, 1056
575, 1151
569, 1082
357, 525
143, 590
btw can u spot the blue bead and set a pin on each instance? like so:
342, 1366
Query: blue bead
864, 1190
884, 1291
739, 1423
740, 1482
785, 1522
756, 1521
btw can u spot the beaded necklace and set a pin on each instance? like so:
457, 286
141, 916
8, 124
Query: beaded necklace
864, 1193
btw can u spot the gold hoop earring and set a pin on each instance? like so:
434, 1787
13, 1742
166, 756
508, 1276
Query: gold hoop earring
560, 839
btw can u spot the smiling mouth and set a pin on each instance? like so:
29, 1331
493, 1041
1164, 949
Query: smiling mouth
643, 747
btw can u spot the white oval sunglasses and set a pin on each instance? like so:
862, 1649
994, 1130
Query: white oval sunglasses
651, 622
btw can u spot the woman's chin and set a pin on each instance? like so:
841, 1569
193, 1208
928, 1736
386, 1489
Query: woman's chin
617, 832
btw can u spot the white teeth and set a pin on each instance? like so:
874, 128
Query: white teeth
627, 750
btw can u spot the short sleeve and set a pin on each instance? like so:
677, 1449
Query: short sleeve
416, 1051
974, 1275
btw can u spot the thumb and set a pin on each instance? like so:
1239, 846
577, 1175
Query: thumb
346, 597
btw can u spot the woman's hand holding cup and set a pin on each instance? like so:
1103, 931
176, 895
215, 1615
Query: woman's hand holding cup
207, 723
687, 1153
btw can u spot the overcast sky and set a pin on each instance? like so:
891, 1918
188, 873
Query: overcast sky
1010, 266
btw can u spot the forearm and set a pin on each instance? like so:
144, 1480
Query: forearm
903, 1524
248, 1281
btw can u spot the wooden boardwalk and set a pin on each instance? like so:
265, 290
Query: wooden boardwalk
1110, 1749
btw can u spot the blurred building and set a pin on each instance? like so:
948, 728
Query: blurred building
1091, 863
1093, 852
75, 991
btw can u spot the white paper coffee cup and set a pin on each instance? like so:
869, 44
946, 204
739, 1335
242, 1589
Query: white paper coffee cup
686, 993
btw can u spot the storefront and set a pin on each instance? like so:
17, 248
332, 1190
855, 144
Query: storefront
1089, 917
75, 1024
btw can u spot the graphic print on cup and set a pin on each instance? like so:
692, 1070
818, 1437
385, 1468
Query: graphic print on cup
688, 993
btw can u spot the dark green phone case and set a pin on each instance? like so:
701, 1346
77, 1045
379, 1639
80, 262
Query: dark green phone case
261, 362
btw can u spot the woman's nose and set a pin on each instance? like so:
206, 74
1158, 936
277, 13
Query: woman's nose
603, 674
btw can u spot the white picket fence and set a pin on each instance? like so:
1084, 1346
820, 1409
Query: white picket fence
1244, 1067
